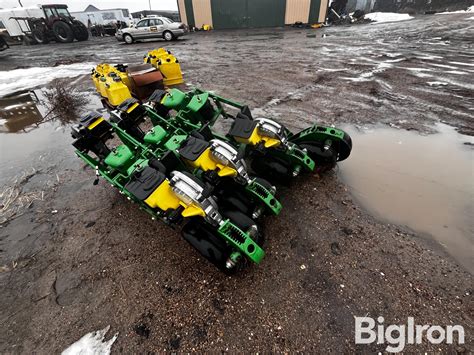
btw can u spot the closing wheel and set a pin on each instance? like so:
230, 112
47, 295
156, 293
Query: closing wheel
212, 246
322, 157
341, 147
272, 169
63, 32
345, 147
207, 242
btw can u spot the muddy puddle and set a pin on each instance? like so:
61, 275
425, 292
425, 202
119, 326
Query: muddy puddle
423, 182
29, 132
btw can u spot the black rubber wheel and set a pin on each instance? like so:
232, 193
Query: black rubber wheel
230, 196
212, 246
168, 36
205, 240
345, 147
80, 31
273, 169
342, 148
238, 202
39, 35
63, 32
320, 156
128, 38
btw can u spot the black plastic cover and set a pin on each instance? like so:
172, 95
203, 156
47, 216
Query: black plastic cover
192, 148
242, 128
144, 182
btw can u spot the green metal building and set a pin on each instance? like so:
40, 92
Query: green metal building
223, 14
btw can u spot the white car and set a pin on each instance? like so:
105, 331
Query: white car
152, 27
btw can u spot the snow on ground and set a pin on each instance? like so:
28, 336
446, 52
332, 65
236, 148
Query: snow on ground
22, 79
469, 9
92, 344
380, 17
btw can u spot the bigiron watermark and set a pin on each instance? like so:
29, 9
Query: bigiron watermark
397, 336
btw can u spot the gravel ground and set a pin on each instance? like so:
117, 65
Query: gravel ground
82, 257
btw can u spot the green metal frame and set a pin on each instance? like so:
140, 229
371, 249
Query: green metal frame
232, 234
186, 114
182, 125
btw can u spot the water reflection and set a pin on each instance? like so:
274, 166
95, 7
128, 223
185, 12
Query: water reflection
20, 112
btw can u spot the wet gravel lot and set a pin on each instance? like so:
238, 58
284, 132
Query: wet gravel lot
81, 257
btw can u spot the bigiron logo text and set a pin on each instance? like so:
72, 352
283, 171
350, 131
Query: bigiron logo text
397, 336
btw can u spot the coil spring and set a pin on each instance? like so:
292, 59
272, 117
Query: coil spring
236, 235
259, 190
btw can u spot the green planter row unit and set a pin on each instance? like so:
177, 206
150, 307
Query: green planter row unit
169, 156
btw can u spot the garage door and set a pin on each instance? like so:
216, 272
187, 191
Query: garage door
229, 13
248, 13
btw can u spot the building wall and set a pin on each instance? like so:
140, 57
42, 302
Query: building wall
297, 11
323, 10
202, 12
251, 13
182, 11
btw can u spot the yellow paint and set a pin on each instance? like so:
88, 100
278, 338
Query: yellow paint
154, 55
133, 107
95, 123
256, 138
271, 142
114, 91
207, 162
226, 171
117, 92
192, 211
167, 64
163, 197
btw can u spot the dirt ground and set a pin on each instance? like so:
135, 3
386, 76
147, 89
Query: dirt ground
82, 257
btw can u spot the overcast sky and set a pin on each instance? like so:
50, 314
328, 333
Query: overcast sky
80, 5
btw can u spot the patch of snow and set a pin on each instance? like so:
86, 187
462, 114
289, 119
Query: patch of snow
461, 63
456, 72
395, 60
469, 9
381, 17
273, 102
443, 66
330, 69
23, 79
92, 344
470, 18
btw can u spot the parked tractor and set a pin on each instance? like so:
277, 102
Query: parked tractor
43, 23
